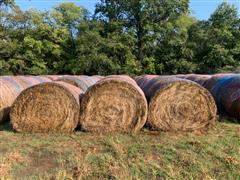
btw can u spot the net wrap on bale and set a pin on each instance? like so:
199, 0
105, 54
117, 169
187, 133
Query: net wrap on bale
198, 78
82, 82
115, 103
10, 88
210, 83
227, 95
52, 77
51, 107
177, 104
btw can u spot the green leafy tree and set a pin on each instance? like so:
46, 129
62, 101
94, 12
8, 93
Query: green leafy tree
122, 37
100, 54
69, 15
215, 42
144, 18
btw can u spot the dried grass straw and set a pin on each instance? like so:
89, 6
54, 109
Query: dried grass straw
177, 104
114, 104
47, 108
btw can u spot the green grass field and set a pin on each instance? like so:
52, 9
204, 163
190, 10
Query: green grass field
148, 155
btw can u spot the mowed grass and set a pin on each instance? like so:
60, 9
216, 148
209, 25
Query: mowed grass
148, 155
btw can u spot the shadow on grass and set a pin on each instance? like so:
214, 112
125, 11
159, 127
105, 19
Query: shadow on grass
6, 127
227, 119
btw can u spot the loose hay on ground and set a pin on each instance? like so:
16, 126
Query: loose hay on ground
177, 104
115, 103
47, 107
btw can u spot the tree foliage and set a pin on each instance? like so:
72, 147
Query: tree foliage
121, 37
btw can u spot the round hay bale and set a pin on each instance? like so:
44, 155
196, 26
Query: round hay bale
51, 107
113, 104
198, 78
17, 81
201, 79
210, 83
227, 95
82, 82
144, 79
178, 104
10, 88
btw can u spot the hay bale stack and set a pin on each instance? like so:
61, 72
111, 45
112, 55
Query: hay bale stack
82, 82
177, 104
47, 108
227, 95
115, 103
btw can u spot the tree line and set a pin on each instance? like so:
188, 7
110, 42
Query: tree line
120, 37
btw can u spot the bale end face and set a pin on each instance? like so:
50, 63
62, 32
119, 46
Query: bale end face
182, 106
46, 108
113, 105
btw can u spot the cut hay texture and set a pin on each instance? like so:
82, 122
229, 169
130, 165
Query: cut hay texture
82, 82
177, 104
51, 107
113, 104
226, 93
10, 88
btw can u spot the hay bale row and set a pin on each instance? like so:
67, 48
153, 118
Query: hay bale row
118, 103
47, 107
115, 103
177, 104
10, 88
